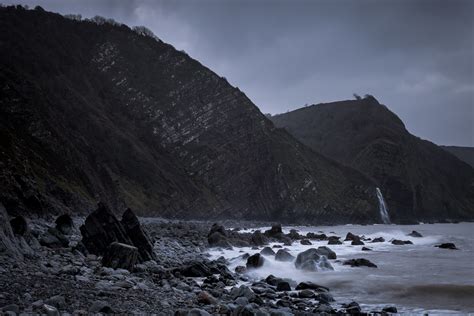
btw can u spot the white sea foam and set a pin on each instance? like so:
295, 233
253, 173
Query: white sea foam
400, 268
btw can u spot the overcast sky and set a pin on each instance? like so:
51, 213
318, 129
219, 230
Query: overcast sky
415, 56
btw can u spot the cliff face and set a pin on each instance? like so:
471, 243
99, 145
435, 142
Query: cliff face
99, 112
420, 181
466, 154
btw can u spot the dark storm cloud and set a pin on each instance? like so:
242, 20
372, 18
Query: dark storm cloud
416, 56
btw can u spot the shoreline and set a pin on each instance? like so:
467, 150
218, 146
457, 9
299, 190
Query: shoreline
79, 284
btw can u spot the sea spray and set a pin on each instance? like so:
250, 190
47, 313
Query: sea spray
382, 207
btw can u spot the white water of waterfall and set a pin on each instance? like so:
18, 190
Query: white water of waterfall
382, 207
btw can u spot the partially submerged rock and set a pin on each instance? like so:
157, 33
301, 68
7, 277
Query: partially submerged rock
255, 261
325, 251
360, 262
305, 242
378, 239
275, 231
267, 251
258, 239
283, 255
283, 286
307, 260
401, 242
448, 245
414, 233
311, 286
313, 258
334, 240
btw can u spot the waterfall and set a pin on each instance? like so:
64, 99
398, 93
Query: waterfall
382, 207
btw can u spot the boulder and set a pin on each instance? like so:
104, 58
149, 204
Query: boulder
217, 228
57, 301
351, 236
102, 228
312, 259
389, 309
216, 239
196, 269
255, 261
307, 260
360, 262
138, 236
448, 245
325, 298
325, 251
242, 291
283, 286
334, 240
324, 264
316, 236
258, 239
293, 234
310, 286
8, 242
378, 239
272, 280
283, 255
324, 309
53, 238
401, 242
275, 231
352, 308
205, 298
101, 307
19, 226
416, 234
64, 224
306, 294
240, 269
49, 310
120, 256
305, 242
366, 249
267, 251
357, 242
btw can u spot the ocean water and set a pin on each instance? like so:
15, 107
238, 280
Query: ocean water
415, 278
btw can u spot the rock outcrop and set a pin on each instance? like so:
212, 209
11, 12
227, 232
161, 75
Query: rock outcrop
121, 117
420, 181
101, 228
120, 256
138, 236
8, 243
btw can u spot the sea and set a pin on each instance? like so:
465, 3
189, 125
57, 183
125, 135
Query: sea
417, 279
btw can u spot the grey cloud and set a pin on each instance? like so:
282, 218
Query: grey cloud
416, 56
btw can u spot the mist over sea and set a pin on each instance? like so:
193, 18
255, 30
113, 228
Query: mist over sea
415, 278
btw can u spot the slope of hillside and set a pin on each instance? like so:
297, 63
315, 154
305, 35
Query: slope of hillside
93, 111
466, 154
419, 180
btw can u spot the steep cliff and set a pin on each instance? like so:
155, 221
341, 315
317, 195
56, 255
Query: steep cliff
466, 154
95, 111
420, 181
